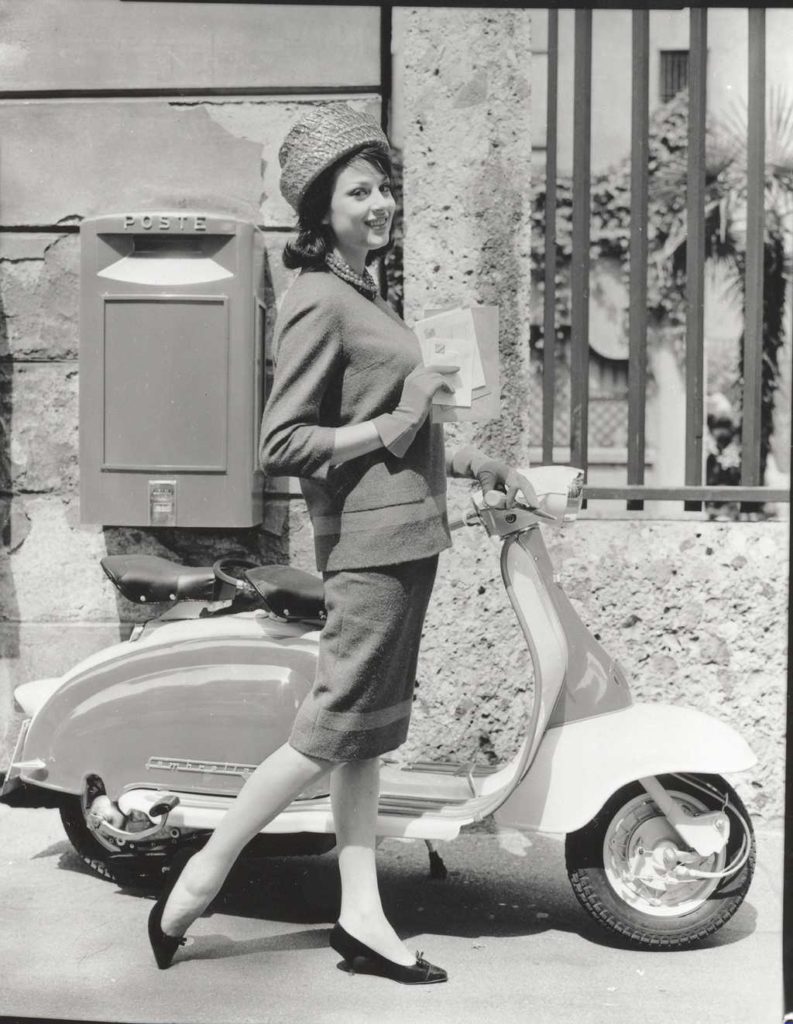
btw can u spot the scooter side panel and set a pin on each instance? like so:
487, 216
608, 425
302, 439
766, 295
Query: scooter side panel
195, 716
581, 764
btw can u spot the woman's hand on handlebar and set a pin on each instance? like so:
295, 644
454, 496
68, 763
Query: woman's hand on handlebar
497, 475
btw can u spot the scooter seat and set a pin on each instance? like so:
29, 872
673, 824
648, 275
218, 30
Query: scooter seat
143, 578
291, 593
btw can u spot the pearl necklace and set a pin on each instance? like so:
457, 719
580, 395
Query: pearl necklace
364, 283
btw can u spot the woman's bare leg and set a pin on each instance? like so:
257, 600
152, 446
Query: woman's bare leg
354, 791
271, 788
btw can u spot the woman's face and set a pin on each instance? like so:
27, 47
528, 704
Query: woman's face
361, 211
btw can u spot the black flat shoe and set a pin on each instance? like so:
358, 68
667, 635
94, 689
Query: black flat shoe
164, 946
362, 959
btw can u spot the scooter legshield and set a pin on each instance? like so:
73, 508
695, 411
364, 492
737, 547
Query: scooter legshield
195, 707
580, 764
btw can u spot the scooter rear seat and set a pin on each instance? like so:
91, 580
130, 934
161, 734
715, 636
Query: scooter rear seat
291, 593
151, 578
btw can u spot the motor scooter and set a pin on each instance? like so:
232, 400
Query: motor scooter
144, 744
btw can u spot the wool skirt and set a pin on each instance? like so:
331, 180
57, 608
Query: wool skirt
359, 706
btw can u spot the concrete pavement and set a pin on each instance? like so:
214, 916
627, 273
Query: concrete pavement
505, 924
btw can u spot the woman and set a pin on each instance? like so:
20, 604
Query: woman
348, 414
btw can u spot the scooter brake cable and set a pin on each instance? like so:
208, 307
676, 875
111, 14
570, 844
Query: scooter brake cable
743, 853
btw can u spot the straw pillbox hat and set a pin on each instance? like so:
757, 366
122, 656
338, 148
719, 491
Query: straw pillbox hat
325, 135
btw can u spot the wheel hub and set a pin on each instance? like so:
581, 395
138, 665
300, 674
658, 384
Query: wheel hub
653, 854
642, 854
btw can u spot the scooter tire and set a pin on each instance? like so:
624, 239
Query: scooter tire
658, 930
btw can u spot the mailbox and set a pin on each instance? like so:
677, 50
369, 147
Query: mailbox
171, 370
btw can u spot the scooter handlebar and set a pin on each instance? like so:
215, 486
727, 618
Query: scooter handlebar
498, 500
560, 489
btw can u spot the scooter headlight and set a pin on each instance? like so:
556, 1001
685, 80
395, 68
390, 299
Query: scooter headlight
575, 497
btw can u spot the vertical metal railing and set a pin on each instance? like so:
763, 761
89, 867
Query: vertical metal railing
755, 219
637, 322
579, 275
549, 310
695, 246
693, 492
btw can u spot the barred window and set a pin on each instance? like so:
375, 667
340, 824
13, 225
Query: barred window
674, 73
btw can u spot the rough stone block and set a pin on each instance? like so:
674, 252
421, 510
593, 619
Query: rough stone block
62, 161
63, 44
38, 406
39, 296
54, 575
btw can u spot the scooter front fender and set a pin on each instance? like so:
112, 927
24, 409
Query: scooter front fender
579, 765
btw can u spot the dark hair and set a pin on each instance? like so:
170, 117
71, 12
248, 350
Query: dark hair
313, 242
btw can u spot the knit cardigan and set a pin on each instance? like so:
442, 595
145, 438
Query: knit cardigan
341, 358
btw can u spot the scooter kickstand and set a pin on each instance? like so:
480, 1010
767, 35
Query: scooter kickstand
437, 867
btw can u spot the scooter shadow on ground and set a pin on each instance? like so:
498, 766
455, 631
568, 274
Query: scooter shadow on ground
488, 895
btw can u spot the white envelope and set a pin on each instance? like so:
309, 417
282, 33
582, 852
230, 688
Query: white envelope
485, 400
450, 338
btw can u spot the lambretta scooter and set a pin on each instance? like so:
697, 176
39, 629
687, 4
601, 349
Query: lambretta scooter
145, 744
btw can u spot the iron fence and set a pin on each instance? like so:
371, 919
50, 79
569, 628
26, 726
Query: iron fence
695, 490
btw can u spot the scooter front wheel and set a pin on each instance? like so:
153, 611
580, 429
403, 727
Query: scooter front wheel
632, 873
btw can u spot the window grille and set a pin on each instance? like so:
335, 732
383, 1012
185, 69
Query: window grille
674, 73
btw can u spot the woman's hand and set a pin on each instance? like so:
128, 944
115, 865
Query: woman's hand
495, 475
492, 474
420, 387
397, 429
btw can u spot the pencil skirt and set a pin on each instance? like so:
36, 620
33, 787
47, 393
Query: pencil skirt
359, 706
